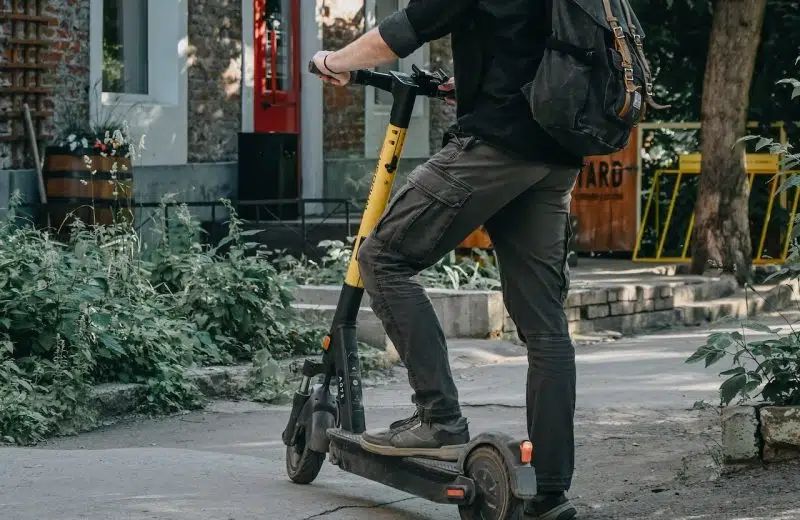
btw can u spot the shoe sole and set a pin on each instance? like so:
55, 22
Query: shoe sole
446, 453
557, 513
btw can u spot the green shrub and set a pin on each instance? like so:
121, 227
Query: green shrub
97, 310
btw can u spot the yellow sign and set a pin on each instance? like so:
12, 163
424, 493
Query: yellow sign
753, 162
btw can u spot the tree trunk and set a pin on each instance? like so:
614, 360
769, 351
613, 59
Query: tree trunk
722, 228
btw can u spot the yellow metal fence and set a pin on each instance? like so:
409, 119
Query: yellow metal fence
756, 165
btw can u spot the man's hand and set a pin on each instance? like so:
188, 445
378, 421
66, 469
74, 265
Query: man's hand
450, 87
329, 76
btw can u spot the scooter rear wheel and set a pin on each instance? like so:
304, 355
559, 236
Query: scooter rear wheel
302, 464
493, 497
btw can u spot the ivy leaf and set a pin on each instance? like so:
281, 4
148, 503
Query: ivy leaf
794, 83
102, 283
112, 344
791, 182
733, 371
101, 318
731, 387
714, 356
700, 354
763, 142
750, 386
757, 326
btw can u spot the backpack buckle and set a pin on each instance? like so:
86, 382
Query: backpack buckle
618, 32
648, 87
628, 74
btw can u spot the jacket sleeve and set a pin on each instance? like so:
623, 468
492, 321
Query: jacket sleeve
422, 21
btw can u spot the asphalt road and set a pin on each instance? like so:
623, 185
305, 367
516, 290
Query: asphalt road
641, 451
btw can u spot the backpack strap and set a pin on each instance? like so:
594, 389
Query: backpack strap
585, 56
621, 43
639, 49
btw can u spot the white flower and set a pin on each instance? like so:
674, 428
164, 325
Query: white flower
73, 145
71, 137
84, 143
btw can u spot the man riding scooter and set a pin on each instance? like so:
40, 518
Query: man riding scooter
499, 169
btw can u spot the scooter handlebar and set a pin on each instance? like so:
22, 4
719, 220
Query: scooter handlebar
379, 80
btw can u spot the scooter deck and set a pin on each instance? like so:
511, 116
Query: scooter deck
423, 477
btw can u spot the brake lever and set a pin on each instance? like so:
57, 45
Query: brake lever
431, 81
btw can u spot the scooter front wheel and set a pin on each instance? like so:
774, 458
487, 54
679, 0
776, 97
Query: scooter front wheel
493, 497
303, 464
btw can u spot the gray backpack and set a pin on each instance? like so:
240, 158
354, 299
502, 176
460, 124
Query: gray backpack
594, 83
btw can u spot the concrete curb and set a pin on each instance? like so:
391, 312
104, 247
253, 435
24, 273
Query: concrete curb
230, 382
760, 433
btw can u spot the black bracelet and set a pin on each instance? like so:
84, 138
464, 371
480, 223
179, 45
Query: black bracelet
325, 62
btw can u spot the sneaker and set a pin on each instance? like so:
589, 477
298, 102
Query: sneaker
550, 507
443, 440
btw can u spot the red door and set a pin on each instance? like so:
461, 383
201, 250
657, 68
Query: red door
277, 66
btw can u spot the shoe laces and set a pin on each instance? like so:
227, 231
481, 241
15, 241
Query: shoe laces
403, 423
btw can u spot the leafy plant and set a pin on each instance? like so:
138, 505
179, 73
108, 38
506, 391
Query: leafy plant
771, 365
767, 368
478, 272
97, 310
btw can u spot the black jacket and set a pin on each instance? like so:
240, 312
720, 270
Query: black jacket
497, 46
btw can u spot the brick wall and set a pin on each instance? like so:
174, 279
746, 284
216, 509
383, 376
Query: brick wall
343, 107
214, 76
68, 53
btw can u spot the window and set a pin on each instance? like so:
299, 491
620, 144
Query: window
378, 104
278, 45
384, 8
125, 47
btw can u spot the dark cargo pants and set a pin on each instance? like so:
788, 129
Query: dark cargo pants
525, 209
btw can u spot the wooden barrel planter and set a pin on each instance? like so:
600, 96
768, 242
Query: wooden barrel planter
74, 192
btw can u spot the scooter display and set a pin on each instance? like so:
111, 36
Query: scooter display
493, 475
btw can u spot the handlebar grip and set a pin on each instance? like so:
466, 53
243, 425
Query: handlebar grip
312, 68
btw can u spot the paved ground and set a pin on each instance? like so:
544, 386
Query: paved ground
642, 451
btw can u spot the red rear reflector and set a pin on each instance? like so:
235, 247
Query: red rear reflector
326, 342
455, 493
526, 452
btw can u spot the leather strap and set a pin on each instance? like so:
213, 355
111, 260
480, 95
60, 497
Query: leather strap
639, 49
621, 43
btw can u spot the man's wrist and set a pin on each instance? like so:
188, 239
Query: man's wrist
330, 63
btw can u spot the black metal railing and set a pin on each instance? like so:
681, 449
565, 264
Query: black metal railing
264, 212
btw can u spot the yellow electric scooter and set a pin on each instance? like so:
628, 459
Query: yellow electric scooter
493, 475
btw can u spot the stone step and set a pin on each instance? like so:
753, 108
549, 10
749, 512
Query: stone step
704, 291
370, 329
742, 304
628, 308
463, 314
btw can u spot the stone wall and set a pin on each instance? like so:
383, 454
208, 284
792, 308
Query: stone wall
68, 53
214, 69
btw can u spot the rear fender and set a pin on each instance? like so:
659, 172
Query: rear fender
523, 476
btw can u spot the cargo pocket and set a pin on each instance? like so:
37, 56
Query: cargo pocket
418, 219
